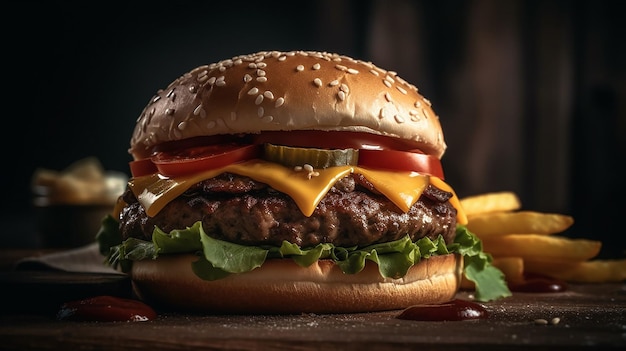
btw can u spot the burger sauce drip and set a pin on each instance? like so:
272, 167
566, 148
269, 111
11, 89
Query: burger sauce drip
538, 284
455, 310
106, 309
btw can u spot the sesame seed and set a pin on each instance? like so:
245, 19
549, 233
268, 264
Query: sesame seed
388, 97
237, 62
211, 80
352, 71
182, 125
316, 66
279, 102
344, 88
260, 112
398, 118
427, 101
341, 95
541, 321
282, 58
252, 65
555, 320
402, 81
300, 68
297, 168
401, 89
196, 111
259, 100
418, 104
192, 89
222, 68
220, 81
268, 94
386, 82
247, 78
211, 124
169, 111
261, 65
341, 67
260, 73
253, 91
156, 98
170, 93
317, 82
334, 83
374, 72
307, 167
261, 79
267, 119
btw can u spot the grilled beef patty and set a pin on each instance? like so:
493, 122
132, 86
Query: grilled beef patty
241, 210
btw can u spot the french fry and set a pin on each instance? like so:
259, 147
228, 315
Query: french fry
594, 271
523, 242
512, 267
520, 222
490, 202
529, 246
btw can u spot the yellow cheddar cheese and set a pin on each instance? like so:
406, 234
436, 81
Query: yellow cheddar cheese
402, 188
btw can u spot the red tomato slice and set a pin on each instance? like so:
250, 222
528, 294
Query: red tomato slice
142, 167
200, 158
401, 161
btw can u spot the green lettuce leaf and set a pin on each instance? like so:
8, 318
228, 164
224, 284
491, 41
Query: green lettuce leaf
489, 280
218, 259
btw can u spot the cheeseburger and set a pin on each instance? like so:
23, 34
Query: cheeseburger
291, 182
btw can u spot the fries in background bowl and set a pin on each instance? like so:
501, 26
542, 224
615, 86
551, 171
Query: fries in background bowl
524, 242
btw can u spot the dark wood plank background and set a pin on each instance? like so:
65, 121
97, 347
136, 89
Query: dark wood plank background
531, 94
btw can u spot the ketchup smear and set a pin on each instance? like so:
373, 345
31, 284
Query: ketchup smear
106, 309
535, 283
455, 310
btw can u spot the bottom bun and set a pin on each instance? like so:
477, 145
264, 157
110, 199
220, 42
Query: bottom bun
280, 286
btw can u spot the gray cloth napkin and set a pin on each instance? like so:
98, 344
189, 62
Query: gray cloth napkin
85, 259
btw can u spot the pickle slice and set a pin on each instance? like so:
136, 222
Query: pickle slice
317, 158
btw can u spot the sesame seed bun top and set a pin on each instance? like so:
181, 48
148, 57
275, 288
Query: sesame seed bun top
282, 91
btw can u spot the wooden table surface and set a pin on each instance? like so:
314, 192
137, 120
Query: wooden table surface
591, 317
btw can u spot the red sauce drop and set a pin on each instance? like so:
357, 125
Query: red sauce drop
106, 309
539, 284
455, 310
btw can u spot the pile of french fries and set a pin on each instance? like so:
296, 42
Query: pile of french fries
526, 242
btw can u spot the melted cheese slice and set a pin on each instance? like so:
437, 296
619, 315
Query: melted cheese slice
402, 188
